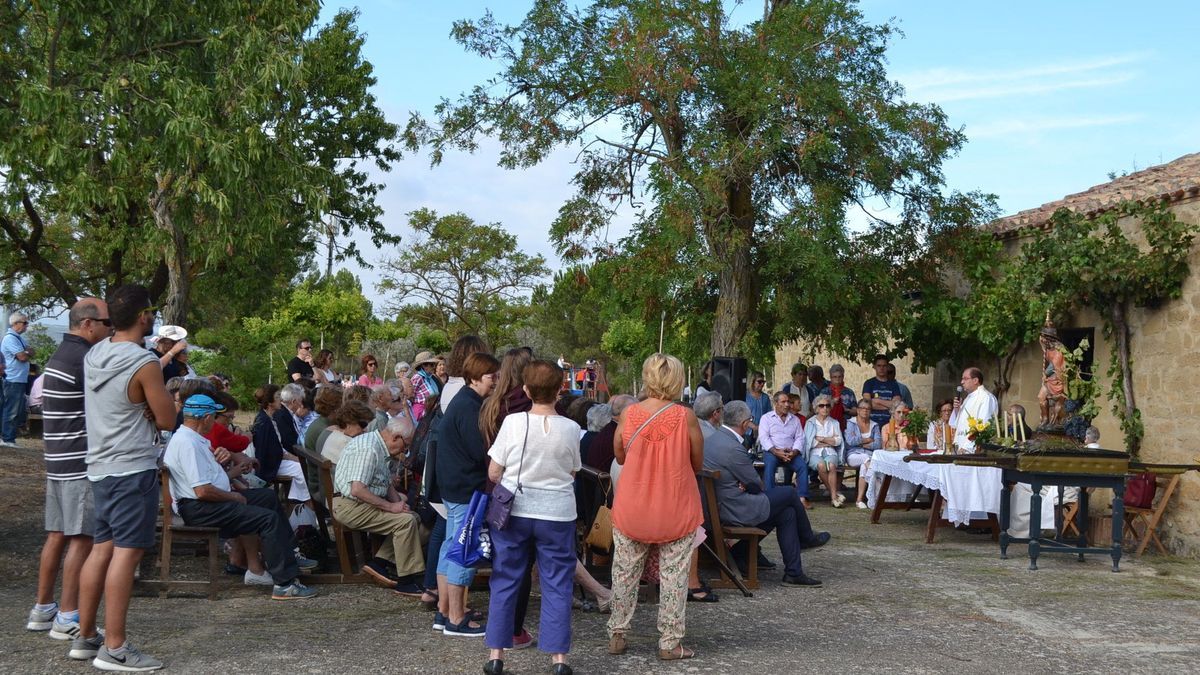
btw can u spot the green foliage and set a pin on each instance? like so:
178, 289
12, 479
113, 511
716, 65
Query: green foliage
741, 149
461, 278
189, 147
1097, 264
918, 423
39, 340
1077, 387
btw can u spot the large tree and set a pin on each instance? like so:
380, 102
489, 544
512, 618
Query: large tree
152, 143
750, 144
461, 277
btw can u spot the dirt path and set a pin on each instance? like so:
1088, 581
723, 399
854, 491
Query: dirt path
890, 604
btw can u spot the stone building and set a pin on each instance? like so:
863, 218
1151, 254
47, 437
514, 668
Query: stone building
1163, 339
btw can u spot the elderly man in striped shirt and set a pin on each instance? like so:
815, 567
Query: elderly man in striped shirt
69, 517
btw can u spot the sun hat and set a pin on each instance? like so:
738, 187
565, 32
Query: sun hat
175, 333
423, 358
200, 405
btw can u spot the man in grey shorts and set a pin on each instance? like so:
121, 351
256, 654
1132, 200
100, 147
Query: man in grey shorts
125, 401
69, 518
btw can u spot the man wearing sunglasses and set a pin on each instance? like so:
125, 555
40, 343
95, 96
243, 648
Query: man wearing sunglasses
16, 376
301, 364
69, 517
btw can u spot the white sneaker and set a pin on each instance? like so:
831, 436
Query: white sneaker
41, 619
861, 505
252, 579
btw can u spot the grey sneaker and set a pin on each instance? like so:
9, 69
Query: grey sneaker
39, 620
293, 591
64, 630
132, 661
83, 648
306, 564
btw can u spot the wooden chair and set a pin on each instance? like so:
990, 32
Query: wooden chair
719, 533
1069, 512
173, 532
595, 490
1141, 524
353, 547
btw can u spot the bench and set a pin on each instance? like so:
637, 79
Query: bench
35, 420
173, 532
718, 534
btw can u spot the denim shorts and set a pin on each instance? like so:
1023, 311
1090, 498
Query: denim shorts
455, 574
127, 509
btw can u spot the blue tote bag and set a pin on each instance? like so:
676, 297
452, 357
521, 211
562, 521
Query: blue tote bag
472, 544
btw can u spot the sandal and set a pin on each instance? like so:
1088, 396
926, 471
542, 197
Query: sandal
617, 644
694, 595
430, 605
677, 654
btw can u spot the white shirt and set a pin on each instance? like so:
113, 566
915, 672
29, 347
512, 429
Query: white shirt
190, 460
981, 405
546, 474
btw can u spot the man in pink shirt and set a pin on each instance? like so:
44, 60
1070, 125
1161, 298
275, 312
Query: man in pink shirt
781, 436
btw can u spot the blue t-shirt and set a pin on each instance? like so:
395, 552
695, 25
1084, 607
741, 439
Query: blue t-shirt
885, 391
17, 371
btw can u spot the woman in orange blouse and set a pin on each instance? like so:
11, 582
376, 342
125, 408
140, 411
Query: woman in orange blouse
660, 447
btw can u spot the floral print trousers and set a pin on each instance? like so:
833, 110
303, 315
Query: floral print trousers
628, 560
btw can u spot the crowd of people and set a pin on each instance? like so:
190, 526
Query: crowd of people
410, 454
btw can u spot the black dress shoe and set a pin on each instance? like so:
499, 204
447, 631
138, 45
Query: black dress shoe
764, 563
802, 580
494, 667
561, 669
818, 540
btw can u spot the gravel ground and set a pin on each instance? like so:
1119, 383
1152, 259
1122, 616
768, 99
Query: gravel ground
890, 603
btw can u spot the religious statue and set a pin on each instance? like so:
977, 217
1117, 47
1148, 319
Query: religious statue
1052, 396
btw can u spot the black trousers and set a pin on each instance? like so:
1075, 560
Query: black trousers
793, 531
260, 515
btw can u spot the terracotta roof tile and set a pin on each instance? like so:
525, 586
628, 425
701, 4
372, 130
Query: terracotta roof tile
1172, 181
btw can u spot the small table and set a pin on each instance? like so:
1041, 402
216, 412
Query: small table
1037, 543
961, 490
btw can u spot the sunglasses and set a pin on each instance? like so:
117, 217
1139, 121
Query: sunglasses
106, 322
372, 365
822, 405
760, 382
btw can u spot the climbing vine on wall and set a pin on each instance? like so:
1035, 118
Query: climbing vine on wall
1103, 266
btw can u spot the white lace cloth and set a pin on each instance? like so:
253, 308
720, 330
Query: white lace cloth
969, 491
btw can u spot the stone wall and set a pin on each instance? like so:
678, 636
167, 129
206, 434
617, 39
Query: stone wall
1164, 340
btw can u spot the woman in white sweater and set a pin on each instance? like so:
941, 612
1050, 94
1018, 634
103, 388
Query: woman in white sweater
535, 456
823, 446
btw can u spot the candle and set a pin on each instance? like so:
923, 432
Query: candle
1021, 426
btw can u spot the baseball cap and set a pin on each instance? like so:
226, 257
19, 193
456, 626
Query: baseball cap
200, 405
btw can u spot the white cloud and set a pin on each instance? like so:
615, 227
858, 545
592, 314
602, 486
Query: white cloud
1019, 126
942, 85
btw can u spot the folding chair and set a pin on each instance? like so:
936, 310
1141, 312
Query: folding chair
1141, 524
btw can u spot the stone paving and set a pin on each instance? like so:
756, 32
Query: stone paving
890, 603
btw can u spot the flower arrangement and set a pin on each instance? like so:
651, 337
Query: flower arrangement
917, 424
980, 431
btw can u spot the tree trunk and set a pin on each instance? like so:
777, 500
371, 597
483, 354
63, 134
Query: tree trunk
730, 237
1005, 363
179, 283
1120, 326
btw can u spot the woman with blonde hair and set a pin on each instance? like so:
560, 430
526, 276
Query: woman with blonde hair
661, 448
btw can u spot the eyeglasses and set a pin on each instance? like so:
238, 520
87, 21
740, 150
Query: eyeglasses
760, 382
20, 323
822, 405
372, 365
306, 347
106, 322
152, 309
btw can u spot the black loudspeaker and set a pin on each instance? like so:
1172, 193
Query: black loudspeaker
729, 377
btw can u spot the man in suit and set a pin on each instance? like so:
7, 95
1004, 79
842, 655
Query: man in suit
744, 500
708, 407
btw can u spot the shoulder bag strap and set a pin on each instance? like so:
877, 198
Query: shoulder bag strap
648, 420
521, 466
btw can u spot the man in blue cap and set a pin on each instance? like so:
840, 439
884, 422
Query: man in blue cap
204, 497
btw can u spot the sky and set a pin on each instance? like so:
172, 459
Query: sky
1053, 96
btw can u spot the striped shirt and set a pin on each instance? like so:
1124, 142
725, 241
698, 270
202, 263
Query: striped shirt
64, 428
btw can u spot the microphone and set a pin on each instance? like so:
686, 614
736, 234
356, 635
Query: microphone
959, 392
